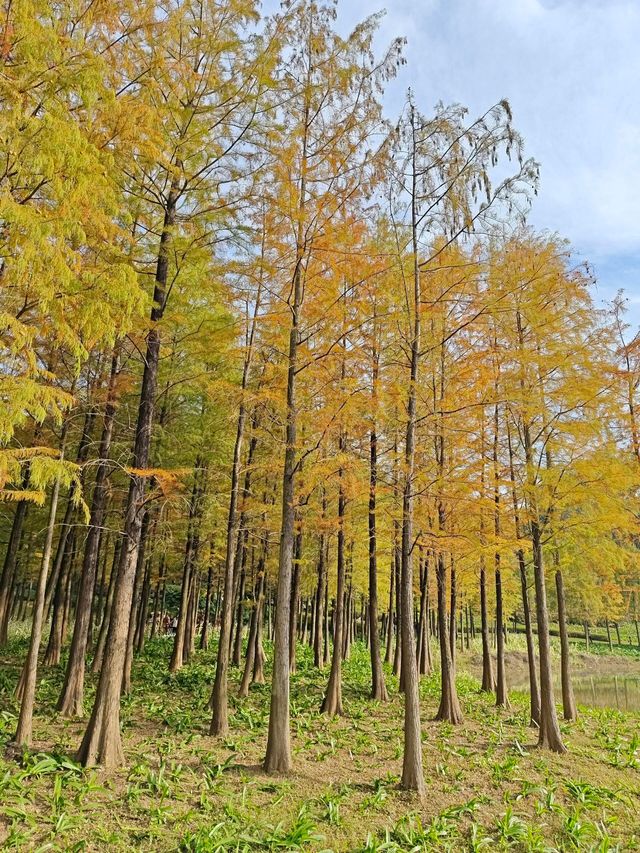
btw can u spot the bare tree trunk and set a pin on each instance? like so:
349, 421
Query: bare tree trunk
96, 664
488, 682
318, 635
568, 701
502, 696
256, 616
390, 616
332, 702
133, 607
397, 654
10, 558
549, 735
143, 609
424, 645
27, 686
54, 645
237, 646
452, 613
378, 687
180, 651
449, 709
102, 742
204, 635
534, 690
412, 773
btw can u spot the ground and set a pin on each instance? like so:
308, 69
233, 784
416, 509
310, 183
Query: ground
488, 787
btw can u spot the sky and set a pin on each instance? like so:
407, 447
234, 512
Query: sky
571, 72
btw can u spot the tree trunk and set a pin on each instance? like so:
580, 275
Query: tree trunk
389, 641
412, 773
133, 607
332, 702
102, 742
96, 664
452, 614
318, 634
502, 696
54, 645
449, 709
10, 558
237, 646
568, 701
534, 690
256, 616
27, 686
488, 683
549, 735
378, 687
204, 635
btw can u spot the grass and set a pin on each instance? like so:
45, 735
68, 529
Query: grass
487, 787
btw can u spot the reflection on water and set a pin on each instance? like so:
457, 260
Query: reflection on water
608, 691
602, 691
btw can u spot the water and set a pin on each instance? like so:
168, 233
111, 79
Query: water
602, 691
608, 691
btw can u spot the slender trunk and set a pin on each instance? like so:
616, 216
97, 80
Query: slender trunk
502, 696
449, 709
54, 645
608, 626
204, 635
10, 559
102, 742
378, 687
452, 613
534, 689
237, 646
143, 610
412, 773
488, 682
133, 607
27, 686
332, 702
256, 616
318, 635
549, 735
568, 701
96, 664
390, 615
397, 654
295, 591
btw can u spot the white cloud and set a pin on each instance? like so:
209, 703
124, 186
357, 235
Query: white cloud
571, 70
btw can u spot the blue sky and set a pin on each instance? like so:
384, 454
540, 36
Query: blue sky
571, 71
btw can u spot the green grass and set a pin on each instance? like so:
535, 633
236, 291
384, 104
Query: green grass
487, 787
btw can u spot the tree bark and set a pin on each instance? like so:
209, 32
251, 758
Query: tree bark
27, 686
488, 682
568, 700
102, 742
449, 709
378, 687
332, 702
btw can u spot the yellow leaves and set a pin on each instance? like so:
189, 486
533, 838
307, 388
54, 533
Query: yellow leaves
168, 482
44, 467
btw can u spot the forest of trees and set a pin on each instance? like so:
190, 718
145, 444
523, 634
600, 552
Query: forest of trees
285, 369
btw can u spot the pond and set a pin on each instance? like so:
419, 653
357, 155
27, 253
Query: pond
602, 691
608, 691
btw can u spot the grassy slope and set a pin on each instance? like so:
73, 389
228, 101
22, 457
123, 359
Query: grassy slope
487, 788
